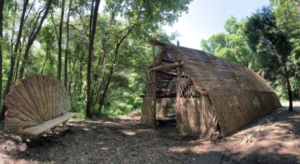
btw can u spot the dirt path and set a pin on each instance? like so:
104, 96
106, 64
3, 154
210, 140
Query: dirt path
272, 139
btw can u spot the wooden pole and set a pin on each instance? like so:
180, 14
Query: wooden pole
177, 64
204, 93
53, 130
178, 88
154, 88
178, 75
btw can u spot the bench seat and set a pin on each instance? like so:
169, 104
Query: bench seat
35, 131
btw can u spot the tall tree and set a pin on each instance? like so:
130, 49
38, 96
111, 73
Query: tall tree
139, 14
287, 18
67, 46
93, 24
1, 36
35, 31
59, 40
12, 64
273, 46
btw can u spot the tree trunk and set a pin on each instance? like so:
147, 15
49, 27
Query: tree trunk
70, 74
47, 54
32, 37
299, 92
59, 40
115, 59
18, 61
12, 64
67, 46
1, 35
109, 78
90, 52
102, 81
17, 68
75, 77
288, 87
105, 90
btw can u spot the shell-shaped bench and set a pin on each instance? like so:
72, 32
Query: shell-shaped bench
36, 104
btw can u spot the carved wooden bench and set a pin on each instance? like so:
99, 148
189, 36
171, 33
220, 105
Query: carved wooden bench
36, 104
36, 131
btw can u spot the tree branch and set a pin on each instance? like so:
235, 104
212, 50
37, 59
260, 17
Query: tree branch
54, 26
83, 24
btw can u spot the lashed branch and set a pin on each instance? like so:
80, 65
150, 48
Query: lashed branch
167, 66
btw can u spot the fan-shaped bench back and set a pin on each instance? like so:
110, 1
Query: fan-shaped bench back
34, 100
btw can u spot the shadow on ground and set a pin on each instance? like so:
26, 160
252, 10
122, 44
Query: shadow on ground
272, 139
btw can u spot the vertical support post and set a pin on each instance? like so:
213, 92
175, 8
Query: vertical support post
24, 137
53, 130
64, 125
178, 86
154, 88
178, 74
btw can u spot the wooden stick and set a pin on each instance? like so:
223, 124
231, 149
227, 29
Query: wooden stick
53, 130
259, 71
178, 76
170, 74
178, 89
24, 137
166, 73
204, 93
167, 61
64, 125
154, 88
161, 56
167, 66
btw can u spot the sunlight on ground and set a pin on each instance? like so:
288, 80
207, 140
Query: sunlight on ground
128, 132
104, 148
178, 149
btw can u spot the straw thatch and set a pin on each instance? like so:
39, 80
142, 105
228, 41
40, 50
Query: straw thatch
237, 96
161, 106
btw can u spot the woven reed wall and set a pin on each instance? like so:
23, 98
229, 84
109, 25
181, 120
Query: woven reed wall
161, 106
238, 108
195, 117
148, 115
147, 112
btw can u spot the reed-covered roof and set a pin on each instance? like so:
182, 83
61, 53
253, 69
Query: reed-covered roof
238, 95
209, 71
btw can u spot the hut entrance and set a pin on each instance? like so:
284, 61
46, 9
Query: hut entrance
167, 81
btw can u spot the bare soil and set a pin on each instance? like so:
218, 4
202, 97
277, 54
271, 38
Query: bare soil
272, 139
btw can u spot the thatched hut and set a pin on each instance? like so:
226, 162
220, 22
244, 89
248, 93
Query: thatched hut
212, 94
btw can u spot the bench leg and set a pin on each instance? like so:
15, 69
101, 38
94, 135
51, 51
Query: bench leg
53, 130
40, 135
64, 125
24, 137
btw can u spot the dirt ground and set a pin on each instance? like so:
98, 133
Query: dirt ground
272, 139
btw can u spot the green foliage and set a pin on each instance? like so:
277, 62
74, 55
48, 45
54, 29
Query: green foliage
270, 39
121, 53
77, 107
232, 46
266, 40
